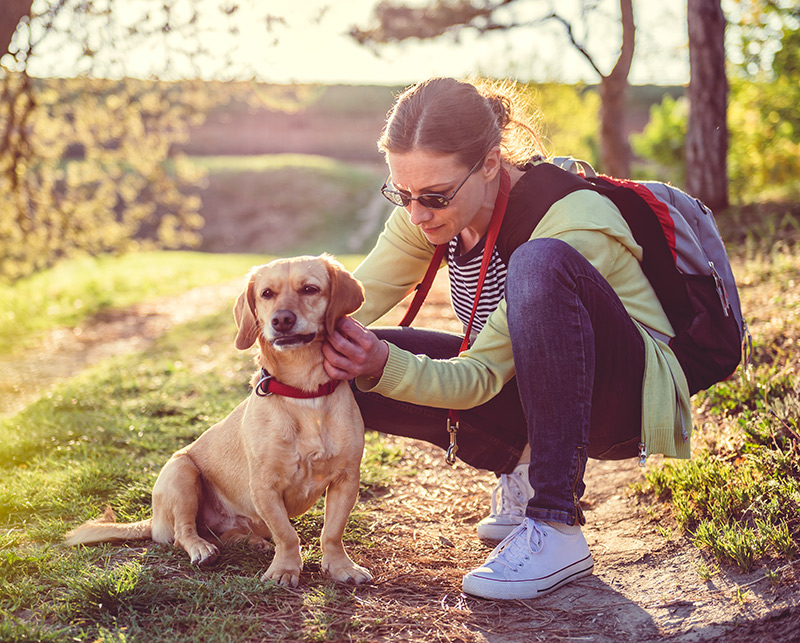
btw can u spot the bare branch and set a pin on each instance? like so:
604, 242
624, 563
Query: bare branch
398, 22
571, 35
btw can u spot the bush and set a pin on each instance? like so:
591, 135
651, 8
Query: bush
663, 140
570, 120
764, 152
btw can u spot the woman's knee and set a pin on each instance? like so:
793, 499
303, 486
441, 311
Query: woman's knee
537, 266
541, 252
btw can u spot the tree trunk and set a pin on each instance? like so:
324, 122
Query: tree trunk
707, 134
615, 150
11, 12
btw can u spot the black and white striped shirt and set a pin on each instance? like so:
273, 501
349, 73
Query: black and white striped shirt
463, 271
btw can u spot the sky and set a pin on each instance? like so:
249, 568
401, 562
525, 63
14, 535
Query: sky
312, 45
541, 53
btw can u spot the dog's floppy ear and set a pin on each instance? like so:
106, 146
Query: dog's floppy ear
245, 316
346, 295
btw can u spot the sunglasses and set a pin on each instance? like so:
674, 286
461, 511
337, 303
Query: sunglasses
432, 201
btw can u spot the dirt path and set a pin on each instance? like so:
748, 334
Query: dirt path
64, 352
646, 586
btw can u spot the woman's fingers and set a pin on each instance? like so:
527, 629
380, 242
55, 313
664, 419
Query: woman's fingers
352, 350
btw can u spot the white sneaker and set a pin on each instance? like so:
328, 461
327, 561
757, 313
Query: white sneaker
509, 501
535, 559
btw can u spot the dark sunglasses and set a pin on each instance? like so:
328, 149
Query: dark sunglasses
431, 201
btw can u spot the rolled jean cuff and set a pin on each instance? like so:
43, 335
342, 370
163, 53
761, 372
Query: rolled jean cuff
554, 515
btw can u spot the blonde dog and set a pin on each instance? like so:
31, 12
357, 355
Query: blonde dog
296, 436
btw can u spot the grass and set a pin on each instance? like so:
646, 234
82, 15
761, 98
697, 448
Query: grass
292, 203
322, 165
74, 290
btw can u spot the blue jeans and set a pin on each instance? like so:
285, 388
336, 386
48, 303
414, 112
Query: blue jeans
579, 361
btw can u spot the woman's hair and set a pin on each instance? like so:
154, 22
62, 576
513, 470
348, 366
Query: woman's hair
465, 118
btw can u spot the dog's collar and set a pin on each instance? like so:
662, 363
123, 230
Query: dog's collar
268, 385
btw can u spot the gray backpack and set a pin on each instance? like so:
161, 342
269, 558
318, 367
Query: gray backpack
684, 259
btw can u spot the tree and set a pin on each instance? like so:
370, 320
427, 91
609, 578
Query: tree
398, 22
763, 153
11, 12
89, 164
707, 133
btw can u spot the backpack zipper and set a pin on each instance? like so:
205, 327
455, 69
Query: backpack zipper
721, 292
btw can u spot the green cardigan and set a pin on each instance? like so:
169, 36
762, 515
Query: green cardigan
591, 224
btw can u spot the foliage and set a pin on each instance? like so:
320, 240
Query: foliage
93, 176
89, 165
764, 152
764, 157
569, 119
763, 120
761, 34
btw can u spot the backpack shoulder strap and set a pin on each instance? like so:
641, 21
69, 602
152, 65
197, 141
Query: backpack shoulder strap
543, 185
576, 166
651, 229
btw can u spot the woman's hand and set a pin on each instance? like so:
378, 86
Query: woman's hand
352, 350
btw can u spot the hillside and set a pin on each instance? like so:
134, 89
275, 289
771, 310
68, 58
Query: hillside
340, 121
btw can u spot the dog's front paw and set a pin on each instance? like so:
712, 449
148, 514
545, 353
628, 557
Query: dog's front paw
346, 571
283, 573
203, 552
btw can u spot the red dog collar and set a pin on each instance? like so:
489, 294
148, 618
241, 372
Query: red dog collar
268, 385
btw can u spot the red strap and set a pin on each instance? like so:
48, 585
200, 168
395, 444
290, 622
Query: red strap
268, 385
424, 286
496, 221
491, 239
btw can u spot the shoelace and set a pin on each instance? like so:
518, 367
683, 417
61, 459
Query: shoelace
513, 496
514, 549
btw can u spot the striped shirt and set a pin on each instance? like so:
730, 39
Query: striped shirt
463, 271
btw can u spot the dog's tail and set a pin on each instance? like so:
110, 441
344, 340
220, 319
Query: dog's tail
105, 529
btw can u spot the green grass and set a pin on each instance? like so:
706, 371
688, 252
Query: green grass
76, 289
311, 163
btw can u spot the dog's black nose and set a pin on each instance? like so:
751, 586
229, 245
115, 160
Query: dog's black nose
283, 320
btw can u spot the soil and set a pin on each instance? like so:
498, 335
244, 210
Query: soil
647, 583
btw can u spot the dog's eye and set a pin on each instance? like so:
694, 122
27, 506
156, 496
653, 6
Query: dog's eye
267, 294
308, 289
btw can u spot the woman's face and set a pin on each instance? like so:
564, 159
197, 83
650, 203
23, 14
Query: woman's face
422, 172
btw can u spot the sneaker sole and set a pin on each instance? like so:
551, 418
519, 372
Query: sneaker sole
510, 590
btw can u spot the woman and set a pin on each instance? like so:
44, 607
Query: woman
562, 367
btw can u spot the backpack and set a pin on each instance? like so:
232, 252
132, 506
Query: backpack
684, 259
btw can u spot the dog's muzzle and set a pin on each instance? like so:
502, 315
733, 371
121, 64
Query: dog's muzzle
292, 341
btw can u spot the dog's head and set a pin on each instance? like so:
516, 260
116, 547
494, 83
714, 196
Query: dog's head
288, 303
